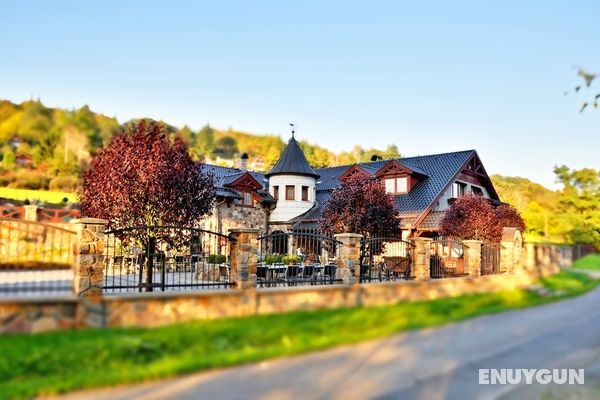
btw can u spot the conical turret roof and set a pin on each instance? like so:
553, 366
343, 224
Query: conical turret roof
292, 162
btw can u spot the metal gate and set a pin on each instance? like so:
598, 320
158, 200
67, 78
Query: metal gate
297, 258
490, 259
35, 258
148, 258
446, 258
385, 258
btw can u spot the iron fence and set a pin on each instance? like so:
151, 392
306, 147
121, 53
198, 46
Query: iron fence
490, 259
385, 258
446, 258
148, 258
35, 258
299, 257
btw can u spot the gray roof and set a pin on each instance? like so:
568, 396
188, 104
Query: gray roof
292, 162
225, 175
437, 170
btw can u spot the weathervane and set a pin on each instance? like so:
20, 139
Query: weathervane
293, 131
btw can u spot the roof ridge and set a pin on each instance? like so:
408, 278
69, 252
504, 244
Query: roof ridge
395, 159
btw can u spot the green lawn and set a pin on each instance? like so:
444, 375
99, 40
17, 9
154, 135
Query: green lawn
58, 362
591, 261
39, 195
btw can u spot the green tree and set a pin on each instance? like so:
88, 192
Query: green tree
8, 160
226, 147
579, 204
205, 140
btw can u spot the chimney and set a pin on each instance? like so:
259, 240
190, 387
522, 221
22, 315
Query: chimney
244, 162
376, 157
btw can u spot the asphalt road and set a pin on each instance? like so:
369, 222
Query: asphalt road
440, 363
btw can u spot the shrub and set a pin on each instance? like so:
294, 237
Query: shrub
273, 258
217, 259
508, 217
471, 217
287, 260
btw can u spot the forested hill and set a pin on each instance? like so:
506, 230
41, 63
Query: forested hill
45, 147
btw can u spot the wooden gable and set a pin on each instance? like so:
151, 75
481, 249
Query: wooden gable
393, 168
474, 173
246, 182
354, 170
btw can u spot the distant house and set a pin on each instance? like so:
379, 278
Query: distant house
24, 160
292, 195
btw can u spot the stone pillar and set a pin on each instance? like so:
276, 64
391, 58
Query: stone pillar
243, 249
510, 249
30, 213
472, 251
421, 268
88, 267
348, 257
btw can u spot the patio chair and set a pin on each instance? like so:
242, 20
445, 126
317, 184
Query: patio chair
329, 271
262, 272
309, 273
224, 273
291, 274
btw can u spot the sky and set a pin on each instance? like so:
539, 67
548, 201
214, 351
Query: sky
427, 76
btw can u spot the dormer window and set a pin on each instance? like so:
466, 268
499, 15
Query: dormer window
396, 185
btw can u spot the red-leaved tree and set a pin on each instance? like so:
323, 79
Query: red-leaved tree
472, 217
361, 205
146, 177
508, 217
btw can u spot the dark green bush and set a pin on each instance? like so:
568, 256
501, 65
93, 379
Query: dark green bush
217, 259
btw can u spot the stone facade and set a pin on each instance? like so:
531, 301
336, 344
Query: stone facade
229, 215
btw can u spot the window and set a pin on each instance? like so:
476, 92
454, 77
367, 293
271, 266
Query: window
396, 185
476, 190
304, 193
247, 198
276, 192
390, 185
290, 192
458, 189
402, 185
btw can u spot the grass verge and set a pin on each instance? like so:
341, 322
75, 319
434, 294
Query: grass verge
589, 262
58, 362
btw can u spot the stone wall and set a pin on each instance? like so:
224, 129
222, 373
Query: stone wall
38, 315
155, 309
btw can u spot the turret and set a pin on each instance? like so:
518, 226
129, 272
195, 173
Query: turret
292, 182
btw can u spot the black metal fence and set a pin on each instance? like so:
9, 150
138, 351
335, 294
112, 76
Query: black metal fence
297, 258
490, 259
446, 258
35, 258
385, 258
148, 258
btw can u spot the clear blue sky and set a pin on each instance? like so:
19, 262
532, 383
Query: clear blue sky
427, 76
